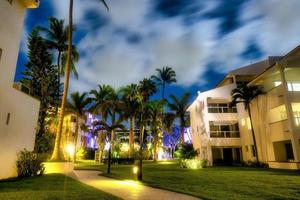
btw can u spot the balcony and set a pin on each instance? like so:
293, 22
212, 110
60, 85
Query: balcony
221, 108
224, 134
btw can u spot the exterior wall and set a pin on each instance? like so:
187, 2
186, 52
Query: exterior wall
280, 127
200, 118
18, 132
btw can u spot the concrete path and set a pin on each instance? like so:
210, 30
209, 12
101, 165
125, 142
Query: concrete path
129, 190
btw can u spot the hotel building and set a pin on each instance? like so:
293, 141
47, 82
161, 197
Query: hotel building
18, 111
223, 133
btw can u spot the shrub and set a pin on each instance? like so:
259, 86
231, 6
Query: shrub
186, 151
29, 164
85, 153
251, 163
193, 163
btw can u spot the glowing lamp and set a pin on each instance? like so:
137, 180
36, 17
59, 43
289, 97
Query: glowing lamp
135, 169
70, 149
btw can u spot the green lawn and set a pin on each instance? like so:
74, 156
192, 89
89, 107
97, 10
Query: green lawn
215, 182
49, 187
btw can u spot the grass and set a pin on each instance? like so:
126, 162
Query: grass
49, 187
213, 182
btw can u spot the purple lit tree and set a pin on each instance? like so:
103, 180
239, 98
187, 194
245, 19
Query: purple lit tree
172, 139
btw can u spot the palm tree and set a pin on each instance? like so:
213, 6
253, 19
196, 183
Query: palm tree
146, 89
245, 94
166, 75
155, 109
99, 98
57, 38
179, 107
77, 105
168, 121
129, 97
110, 129
57, 152
107, 103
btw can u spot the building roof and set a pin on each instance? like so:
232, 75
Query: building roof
255, 68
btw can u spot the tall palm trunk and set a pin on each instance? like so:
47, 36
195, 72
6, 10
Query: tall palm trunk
57, 151
253, 135
131, 137
109, 154
140, 172
76, 138
155, 150
163, 90
182, 134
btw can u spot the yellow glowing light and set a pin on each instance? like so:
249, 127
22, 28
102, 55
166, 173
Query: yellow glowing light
135, 169
70, 149
160, 154
124, 147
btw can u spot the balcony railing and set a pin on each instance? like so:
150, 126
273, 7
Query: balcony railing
222, 110
224, 134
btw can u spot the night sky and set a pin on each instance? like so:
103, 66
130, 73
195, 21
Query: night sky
200, 39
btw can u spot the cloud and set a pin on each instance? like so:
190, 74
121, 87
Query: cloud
135, 37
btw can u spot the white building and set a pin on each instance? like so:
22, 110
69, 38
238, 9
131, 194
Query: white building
18, 111
223, 134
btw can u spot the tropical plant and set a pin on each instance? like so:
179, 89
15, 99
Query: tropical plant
57, 38
29, 164
78, 105
57, 152
179, 107
40, 77
110, 130
131, 104
155, 109
146, 89
245, 94
170, 136
108, 104
165, 76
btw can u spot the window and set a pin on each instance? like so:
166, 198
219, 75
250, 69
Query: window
292, 86
223, 130
7, 118
246, 148
10, 1
221, 108
253, 151
289, 151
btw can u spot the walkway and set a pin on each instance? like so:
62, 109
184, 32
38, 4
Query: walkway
130, 190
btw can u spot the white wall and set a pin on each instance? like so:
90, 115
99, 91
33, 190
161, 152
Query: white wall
19, 133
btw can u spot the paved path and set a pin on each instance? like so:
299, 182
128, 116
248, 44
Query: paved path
130, 190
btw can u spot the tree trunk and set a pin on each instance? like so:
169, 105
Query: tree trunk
155, 150
57, 151
131, 137
109, 155
76, 137
253, 135
182, 135
140, 172
163, 90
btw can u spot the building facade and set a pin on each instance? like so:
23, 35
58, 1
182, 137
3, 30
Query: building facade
18, 111
223, 133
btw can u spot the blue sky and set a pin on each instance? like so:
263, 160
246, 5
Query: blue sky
200, 39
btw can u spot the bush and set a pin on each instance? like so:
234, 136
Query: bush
186, 151
251, 163
193, 163
85, 153
29, 164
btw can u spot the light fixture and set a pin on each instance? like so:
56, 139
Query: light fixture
135, 169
